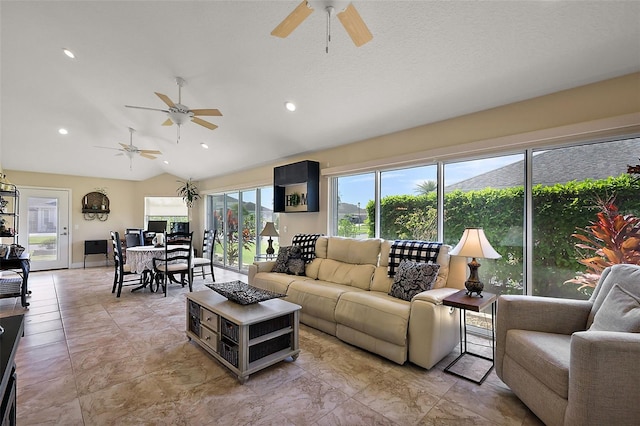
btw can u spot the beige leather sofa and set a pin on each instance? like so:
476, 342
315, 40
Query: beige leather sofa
344, 293
566, 372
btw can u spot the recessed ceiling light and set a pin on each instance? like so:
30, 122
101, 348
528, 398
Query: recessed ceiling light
166, 161
63, 131
69, 53
290, 106
204, 145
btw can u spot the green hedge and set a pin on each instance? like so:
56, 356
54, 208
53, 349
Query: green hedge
557, 211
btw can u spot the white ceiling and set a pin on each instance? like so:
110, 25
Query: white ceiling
428, 61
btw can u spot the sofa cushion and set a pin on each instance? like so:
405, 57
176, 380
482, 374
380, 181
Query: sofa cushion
345, 273
375, 314
543, 355
317, 298
626, 276
412, 278
349, 250
272, 281
620, 311
307, 243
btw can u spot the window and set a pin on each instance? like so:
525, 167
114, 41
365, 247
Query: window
567, 188
409, 204
239, 217
355, 198
169, 209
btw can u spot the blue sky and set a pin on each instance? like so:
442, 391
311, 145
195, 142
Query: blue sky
360, 188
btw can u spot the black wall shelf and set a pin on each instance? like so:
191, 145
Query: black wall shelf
296, 187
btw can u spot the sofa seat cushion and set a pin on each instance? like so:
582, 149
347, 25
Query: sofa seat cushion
544, 355
274, 281
375, 314
317, 298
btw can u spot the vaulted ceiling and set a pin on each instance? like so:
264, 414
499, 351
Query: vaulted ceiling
428, 61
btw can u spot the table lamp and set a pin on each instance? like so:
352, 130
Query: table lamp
474, 244
269, 231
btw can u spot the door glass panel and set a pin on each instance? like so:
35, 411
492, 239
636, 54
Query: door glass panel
232, 241
43, 228
248, 237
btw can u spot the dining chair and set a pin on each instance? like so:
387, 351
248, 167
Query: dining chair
208, 242
178, 255
133, 237
121, 269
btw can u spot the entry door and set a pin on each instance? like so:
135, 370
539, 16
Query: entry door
44, 227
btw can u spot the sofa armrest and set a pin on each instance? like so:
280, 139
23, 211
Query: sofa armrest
604, 378
434, 329
435, 295
535, 313
265, 266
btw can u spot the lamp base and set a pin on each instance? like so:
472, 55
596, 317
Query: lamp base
270, 249
473, 284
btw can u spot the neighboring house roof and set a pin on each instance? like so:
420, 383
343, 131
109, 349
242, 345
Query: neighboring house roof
592, 161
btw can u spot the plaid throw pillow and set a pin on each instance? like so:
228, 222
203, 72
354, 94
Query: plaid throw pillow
307, 242
418, 251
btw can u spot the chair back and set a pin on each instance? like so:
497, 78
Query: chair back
117, 249
208, 242
132, 240
138, 232
178, 247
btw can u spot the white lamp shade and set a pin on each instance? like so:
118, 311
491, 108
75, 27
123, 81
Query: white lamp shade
474, 244
269, 230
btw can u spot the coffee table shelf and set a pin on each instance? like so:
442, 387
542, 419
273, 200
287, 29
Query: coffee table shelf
243, 338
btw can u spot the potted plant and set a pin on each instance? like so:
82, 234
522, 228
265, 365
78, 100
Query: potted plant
188, 190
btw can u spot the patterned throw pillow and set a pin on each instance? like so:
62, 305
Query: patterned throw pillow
412, 278
307, 242
281, 260
295, 264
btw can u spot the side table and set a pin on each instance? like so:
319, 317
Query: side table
466, 303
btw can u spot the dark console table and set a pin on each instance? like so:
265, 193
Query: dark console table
13, 331
16, 287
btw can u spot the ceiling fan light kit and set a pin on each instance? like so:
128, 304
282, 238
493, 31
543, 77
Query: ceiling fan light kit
348, 16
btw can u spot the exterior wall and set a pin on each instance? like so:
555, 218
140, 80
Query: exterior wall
606, 99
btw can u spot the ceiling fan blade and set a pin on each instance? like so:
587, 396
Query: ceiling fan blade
107, 147
206, 124
208, 112
150, 109
167, 122
149, 151
165, 99
125, 146
149, 156
292, 21
355, 26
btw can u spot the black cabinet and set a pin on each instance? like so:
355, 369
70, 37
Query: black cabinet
296, 187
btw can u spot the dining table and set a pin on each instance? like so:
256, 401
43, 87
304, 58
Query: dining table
140, 261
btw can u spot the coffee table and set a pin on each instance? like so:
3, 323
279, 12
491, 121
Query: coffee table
243, 338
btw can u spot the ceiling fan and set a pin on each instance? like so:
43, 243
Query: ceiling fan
131, 150
179, 113
349, 17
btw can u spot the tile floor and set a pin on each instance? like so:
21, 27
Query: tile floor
88, 358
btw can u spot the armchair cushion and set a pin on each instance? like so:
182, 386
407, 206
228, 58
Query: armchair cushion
620, 311
544, 355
